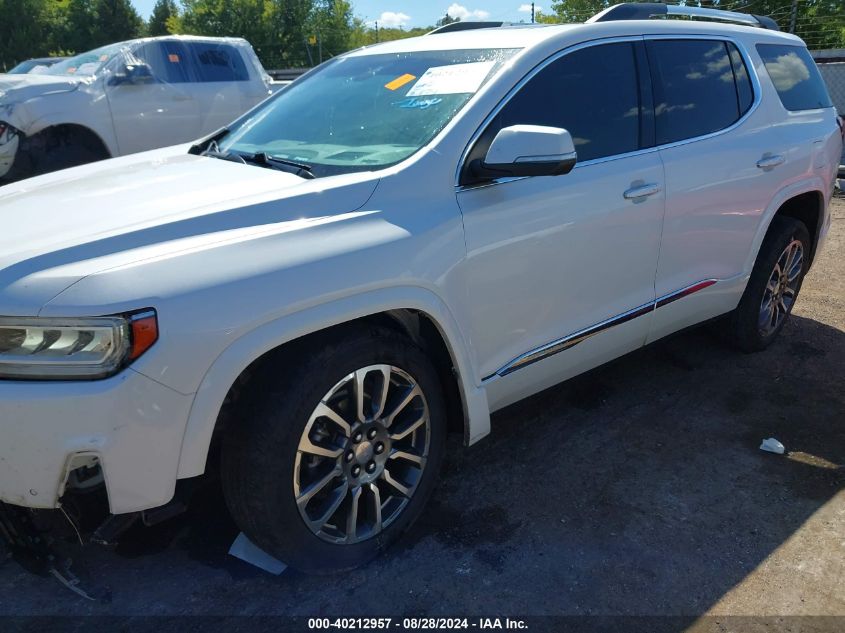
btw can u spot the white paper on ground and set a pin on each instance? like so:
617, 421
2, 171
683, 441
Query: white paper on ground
450, 80
250, 553
772, 446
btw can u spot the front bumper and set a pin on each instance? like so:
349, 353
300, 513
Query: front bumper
133, 425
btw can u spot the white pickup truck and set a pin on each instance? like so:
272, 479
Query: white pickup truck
125, 98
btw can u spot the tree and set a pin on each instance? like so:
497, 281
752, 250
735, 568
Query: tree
78, 32
114, 20
331, 22
578, 10
24, 30
446, 19
162, 17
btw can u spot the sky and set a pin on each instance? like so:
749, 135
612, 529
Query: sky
410, 13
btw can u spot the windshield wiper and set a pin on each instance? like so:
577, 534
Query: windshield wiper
214, 153
283, 164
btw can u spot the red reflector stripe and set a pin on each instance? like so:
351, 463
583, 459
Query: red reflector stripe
144, 334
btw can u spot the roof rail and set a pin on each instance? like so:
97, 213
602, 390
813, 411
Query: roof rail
466, 26
647, 10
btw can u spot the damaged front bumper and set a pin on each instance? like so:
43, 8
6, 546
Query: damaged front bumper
9, 142
129, 426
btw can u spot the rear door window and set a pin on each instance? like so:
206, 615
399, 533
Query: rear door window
795, 76
695, 88
218, 62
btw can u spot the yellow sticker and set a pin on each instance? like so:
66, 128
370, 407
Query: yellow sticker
399, 81
174, 59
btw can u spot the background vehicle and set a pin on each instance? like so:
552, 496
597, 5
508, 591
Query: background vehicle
124, 98
413, 236
34, 66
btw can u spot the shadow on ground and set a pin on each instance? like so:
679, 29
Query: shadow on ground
635, 489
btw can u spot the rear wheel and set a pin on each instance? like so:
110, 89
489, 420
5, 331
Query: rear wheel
773, 286
328, 464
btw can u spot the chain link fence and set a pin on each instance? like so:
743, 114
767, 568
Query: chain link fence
831, 65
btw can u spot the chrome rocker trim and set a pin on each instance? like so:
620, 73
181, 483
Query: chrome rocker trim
571, 340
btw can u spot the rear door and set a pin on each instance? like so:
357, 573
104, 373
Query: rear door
723, 161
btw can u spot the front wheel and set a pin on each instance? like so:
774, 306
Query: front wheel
330, 460
773, 286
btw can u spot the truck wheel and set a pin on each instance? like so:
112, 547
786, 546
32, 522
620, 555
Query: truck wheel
55, 149
329, 460
773, 286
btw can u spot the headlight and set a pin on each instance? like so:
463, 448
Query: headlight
36, 348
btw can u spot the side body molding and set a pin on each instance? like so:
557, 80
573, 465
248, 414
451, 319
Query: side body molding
238, 356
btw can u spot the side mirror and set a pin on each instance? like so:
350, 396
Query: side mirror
138, 73
527, 150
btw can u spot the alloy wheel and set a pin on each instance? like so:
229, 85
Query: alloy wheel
781, 288
362, 454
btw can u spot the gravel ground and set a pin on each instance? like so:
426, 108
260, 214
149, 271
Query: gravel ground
637, 489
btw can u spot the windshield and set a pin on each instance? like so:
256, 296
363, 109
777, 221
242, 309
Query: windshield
25, 67
87, 63
366, 112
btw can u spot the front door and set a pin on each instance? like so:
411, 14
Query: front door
158, 112
560, 270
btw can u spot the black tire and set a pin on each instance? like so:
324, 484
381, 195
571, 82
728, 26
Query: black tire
52, 150
744, 331
258, 453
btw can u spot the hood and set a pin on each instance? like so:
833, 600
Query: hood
63, 226
17, 88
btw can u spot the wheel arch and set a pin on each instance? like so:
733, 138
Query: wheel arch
804, 201
417, 312
58, 129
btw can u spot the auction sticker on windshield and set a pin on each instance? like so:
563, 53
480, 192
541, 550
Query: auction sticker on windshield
453, 79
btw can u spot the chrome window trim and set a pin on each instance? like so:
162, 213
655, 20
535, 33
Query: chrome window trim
752, 75
516, 88
746, 59
571, 340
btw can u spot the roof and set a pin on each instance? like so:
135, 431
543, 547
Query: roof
530, 35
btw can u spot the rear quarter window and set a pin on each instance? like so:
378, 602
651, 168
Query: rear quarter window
218, 62
795, 77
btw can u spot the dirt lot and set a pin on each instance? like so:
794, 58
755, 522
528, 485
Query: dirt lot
637, 489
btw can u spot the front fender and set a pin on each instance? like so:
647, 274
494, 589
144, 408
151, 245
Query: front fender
242, 352
84, 107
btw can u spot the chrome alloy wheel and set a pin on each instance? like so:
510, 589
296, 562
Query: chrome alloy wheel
362, 454
782, 288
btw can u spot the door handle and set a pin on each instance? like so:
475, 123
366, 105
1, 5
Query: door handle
641, 191
770, 162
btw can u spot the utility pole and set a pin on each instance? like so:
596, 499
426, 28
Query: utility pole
793, 16
320, 46
532, 13
376, 31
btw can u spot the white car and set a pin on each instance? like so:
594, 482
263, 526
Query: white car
415, 235
125, 98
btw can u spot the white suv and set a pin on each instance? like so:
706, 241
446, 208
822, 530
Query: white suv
413, 236
124, 98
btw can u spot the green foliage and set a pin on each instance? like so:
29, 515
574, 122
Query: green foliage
577, 10
446, 19
21, 39
162, 17
113, 21
820, 23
